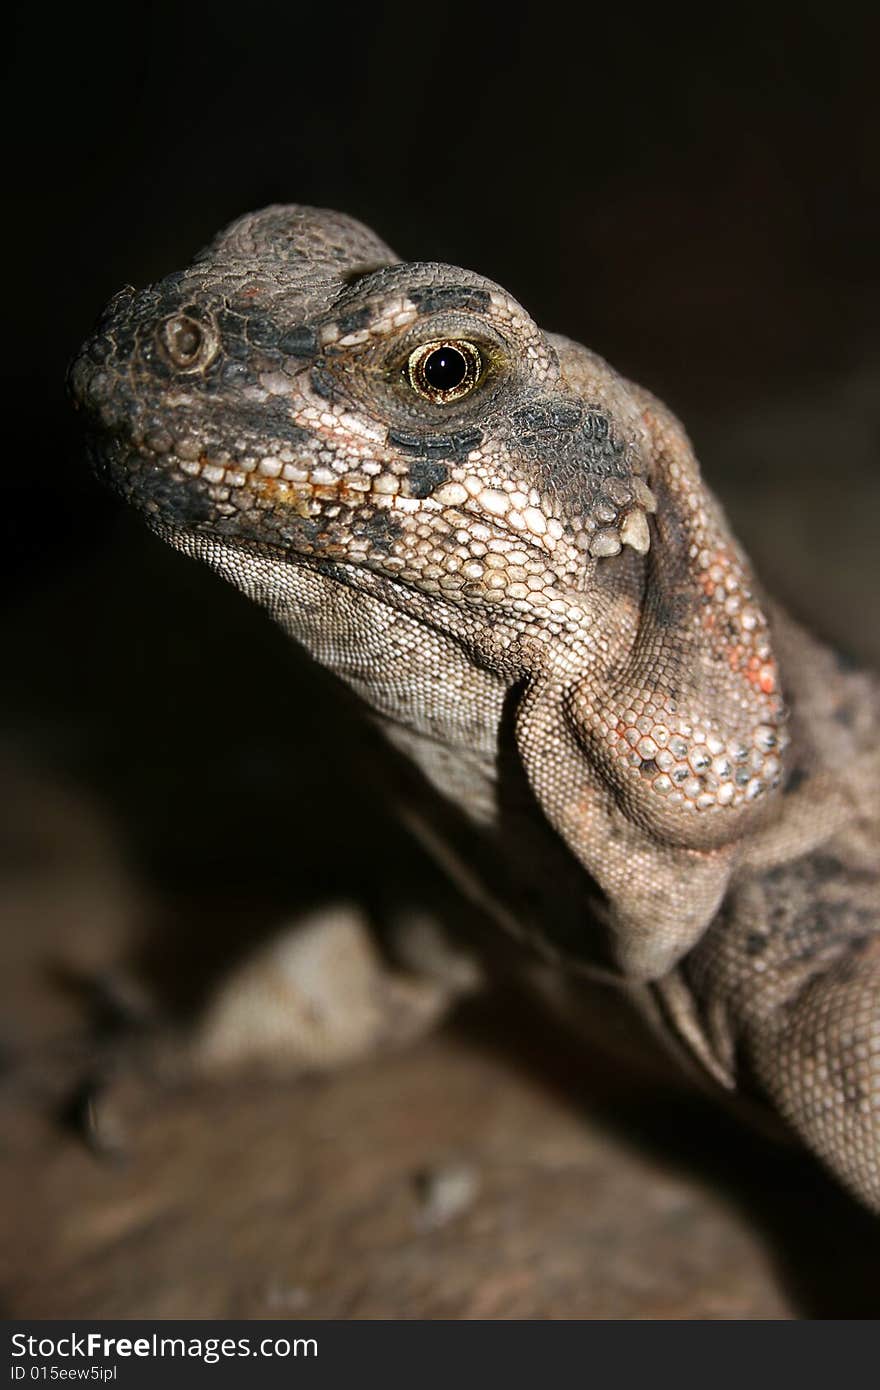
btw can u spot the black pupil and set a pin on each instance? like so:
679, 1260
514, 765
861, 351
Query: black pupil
445, 368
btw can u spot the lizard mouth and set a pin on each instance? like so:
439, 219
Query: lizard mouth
291, 506
487, 546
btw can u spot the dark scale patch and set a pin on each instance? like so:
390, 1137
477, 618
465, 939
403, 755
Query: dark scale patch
598, 427
299, 342
455, 446
406, 443
355, 321
261, 332
570, 451
465, 440
310, 528
381, 529
323, 383
425, 475
160, 371
125, 341
435, 301
334, 570
435, 444
541, 419
181, 500
605, 451
230, 323
756, 943
234, 373
296, 435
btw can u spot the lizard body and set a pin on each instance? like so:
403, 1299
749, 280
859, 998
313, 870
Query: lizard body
508, 553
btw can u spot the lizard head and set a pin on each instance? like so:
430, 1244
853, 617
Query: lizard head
299, 389
300, 402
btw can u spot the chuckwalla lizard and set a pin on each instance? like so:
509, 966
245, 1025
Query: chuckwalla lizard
508, 552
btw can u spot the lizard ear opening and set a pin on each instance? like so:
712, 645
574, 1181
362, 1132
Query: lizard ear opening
675, 742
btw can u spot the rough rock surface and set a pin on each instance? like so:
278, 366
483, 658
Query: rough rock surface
473, 1176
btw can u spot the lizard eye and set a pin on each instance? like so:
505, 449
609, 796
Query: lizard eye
444, 371
189, 344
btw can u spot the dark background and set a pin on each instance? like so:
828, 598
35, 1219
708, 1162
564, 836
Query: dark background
695, 195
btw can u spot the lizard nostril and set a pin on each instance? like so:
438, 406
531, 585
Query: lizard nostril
188, 344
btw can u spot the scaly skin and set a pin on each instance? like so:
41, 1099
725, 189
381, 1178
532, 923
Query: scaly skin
532, 589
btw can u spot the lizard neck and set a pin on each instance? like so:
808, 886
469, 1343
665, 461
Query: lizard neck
429, 696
